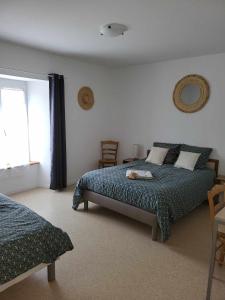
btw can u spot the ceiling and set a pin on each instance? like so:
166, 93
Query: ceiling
158, 29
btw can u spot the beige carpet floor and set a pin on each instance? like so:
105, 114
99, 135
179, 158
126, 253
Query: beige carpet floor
115, 258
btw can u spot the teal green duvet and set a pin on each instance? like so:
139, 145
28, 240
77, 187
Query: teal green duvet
26, 240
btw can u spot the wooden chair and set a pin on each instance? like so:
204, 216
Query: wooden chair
216, 199
109, 154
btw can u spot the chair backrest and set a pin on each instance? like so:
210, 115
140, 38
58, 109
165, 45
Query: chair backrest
109, 150
215, 202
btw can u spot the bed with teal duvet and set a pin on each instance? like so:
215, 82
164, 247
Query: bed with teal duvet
27, 241
171, 194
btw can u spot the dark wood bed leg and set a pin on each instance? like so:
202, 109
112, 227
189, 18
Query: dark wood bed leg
85, 205
154, 231
51, 272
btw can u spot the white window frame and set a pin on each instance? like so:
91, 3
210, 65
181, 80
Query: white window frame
19, 85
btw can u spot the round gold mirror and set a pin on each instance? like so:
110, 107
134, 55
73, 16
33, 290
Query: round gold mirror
191, 93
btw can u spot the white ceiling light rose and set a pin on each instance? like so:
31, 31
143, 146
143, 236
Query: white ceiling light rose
113, 29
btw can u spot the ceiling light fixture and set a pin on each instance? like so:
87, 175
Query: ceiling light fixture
113, 29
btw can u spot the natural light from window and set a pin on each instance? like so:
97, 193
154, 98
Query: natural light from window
14, 143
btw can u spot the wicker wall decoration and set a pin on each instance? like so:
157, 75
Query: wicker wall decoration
191, 93
86, 98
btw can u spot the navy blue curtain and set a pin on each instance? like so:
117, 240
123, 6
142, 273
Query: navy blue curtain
57, 132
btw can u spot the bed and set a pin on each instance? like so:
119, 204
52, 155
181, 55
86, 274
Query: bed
159, 202
28, 243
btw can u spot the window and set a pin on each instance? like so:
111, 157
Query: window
14, 143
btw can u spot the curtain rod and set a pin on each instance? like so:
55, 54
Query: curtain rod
27, 72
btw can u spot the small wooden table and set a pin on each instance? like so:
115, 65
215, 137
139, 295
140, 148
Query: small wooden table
219, 219
128, 160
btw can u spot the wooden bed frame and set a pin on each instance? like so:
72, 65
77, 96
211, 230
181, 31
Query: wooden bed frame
50, 272
128, 210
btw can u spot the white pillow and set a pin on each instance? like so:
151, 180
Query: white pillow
187, 160
157, 155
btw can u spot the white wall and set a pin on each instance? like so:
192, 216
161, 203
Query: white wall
85, 129
148, 111
18, 179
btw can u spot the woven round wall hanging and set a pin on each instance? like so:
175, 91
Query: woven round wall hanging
86, 98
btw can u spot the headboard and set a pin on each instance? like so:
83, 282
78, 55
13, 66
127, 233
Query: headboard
212, 163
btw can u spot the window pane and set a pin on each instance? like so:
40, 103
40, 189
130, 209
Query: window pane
14, 122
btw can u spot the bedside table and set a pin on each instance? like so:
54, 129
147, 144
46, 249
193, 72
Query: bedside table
220, 179
128, 160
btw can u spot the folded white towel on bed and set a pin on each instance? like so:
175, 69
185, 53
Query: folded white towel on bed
138, 174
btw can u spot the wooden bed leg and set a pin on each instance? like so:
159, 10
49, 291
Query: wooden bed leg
85, 205
51, 272
154, 231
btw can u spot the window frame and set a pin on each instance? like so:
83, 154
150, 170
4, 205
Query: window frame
21, 86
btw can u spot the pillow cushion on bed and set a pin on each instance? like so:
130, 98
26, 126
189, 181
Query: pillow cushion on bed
172, 154
187, 160
204, 154
157, 155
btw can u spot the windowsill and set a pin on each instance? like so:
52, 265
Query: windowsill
31, 163
34, 163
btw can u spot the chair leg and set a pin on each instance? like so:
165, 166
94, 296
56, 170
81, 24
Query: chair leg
212, 261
